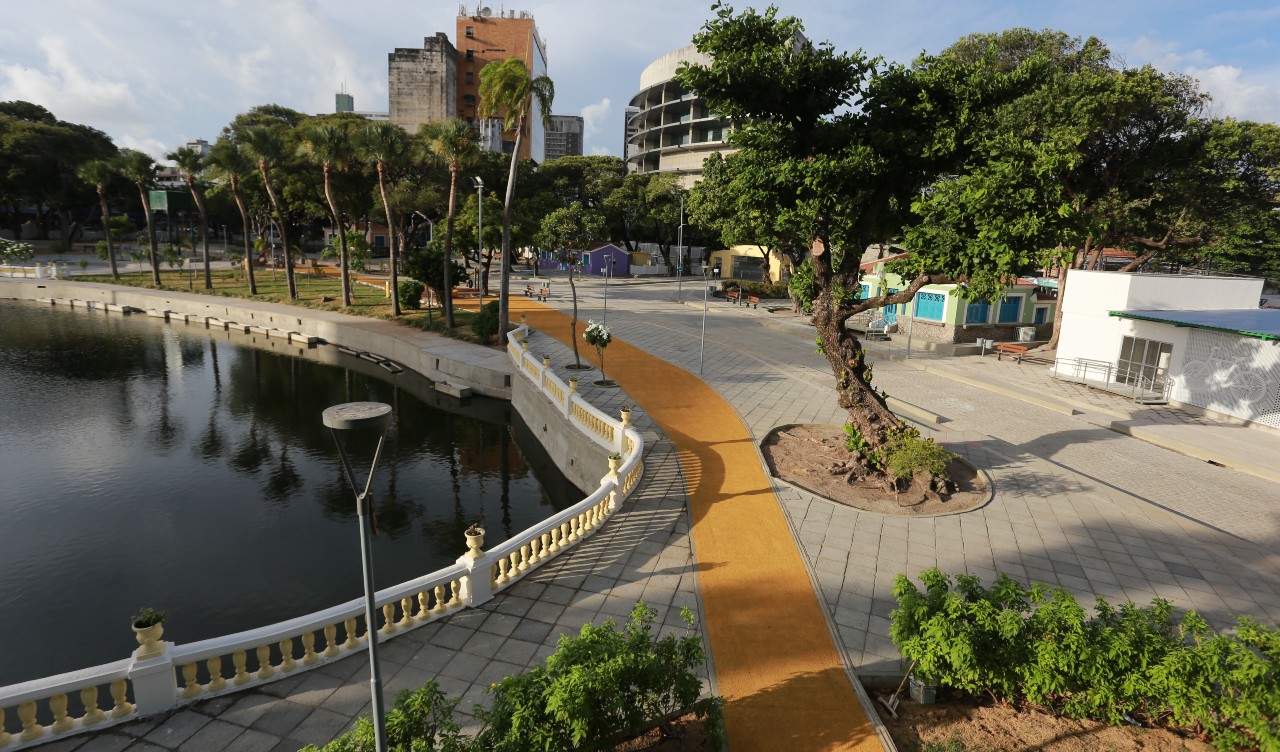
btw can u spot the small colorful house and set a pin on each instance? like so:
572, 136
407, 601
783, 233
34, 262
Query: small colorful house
606, 256
1025, 312
747, 262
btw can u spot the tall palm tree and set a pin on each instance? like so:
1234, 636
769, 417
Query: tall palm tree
191, 163
98, 172
387, 145
330, 147
507, 88
140, 169
229, 161
268, 148
452, 142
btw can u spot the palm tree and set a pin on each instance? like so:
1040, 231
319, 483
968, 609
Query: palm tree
228, 161
140, 169
452, 142
386, 145
98, 172
329, 146
506, 87
267, 146
191, 163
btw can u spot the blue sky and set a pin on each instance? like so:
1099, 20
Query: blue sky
155, 74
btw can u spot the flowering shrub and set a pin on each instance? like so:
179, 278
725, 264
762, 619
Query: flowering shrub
597, 335
12, 251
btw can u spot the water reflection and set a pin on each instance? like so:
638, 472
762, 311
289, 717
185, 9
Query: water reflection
176, 467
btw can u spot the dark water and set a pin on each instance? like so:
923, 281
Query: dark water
143, 464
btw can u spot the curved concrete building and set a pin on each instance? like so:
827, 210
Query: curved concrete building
668, 128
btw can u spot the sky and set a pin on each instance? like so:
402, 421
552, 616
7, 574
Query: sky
154, 75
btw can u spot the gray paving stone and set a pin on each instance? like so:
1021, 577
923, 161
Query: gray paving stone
214, 735
177, 728
282, 718
252, 740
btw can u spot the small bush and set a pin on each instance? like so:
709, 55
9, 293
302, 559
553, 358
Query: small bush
909, 453
410, 293
420, 721
765, 290
485, 324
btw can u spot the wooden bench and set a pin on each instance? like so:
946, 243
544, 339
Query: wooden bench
752, 301
732, 296
541, 293
1014, 349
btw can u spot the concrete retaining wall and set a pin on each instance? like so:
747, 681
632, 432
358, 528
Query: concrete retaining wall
579, 458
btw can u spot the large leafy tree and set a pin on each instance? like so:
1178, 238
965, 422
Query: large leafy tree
835, 146
228, 160
191, 164
330, 146
140, 169
451, 143
508, 89
99, 173
268, 146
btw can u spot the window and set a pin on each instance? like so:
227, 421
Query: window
1144, 362
1010, 309
469, 100
471, 31
1042, 315
864, 292
471, 77
930, 305
471, 54
978, 312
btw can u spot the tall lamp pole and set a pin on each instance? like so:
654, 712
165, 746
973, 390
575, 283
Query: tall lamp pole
479, 237
365, 416
706, 287
680, 255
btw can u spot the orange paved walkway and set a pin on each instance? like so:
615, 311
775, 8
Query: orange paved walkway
775, 662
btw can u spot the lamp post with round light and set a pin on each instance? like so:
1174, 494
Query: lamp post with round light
365, 416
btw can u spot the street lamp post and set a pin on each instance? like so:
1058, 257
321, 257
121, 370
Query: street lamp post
479, 237
702, 348
680, 255
358, 416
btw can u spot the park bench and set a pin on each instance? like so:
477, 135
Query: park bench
528, 291
879, 328
753, 301
732, 296
541, 293
1012, 348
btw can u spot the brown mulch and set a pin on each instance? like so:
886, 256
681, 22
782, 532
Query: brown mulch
689, 738
967, 724
806, 455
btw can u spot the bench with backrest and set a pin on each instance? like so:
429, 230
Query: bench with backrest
732, 296
1012, 348
752, 301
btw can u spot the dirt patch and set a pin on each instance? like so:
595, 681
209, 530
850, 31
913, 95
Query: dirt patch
966, 724
689, 737
805, 455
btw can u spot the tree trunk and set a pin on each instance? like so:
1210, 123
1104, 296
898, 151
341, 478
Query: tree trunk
446, 295
106, 231
204, 230
1052, 344
342, 238
573, 323
284, 234
151, 235
504, 285
391, 239
244, 221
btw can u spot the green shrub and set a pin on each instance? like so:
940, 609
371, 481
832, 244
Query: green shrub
909, 453
485, 323
598, 688
410, 293
1039, 645
420, 721
765, 290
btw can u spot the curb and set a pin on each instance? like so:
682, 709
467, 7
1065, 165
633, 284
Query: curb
1143, 433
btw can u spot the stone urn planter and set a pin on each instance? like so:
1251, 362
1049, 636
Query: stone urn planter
148, 628
475, 539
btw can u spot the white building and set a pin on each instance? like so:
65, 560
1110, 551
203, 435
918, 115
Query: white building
1199, 341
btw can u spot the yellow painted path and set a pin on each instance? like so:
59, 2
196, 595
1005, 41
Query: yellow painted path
775, 662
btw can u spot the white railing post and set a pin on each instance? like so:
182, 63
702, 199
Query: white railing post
612, 479
477, 583
568, 398
155, 690
620, 440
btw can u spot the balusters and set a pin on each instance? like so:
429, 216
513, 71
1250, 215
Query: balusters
554, 534
351, 642
513, 565
92, 713
406, 613
502, 571
441, 606
31, 730
216, 682
120, 699
239, 659
4, 735
61, 723
331, 641
287, 663
388, 619
524, 558
192, 688
309, 656
265, 671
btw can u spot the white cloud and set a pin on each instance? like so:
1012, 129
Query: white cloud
1238, 96
601, 151
71, 93
595, 116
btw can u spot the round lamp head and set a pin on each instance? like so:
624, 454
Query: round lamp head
357, 415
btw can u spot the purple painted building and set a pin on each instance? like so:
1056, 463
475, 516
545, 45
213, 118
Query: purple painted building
596, 260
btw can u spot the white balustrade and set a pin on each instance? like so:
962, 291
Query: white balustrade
181, 674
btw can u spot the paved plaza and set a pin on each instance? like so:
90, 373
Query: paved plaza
1076, 504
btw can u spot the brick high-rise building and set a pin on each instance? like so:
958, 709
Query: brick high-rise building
483, 38
564, 137
422, 84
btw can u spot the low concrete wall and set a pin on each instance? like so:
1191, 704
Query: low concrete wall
438, 358
580, 459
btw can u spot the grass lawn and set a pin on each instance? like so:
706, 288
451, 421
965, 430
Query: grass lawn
322, 292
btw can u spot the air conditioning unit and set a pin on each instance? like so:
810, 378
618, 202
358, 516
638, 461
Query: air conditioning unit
1026, 334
